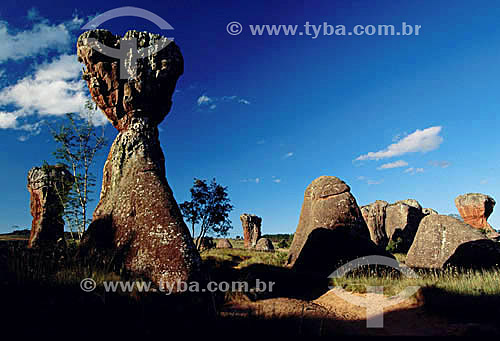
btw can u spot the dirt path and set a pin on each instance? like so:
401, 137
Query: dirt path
332, 315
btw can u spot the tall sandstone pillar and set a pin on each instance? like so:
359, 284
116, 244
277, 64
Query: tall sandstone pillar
49, 187
251, 229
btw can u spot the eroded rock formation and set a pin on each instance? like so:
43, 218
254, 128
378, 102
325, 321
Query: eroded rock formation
264, 244
224, 244
475, 209
49, 187
401, 222
137, 214
443, 240
429, 211
374, 215
397, 222
331, 228
251, 229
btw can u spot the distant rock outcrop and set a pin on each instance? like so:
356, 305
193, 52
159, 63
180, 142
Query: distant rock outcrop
264, 244
443, 240
331, 228
397, 222
475, 209
224, 244
49, 187
374, 215
251, 229
137, 214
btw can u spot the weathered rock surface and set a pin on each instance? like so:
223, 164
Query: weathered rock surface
251, 229
137, 214
401, 222
264, 244
147, 93
429, 211
443, 240
325, 250
224, 244
475, 209
49, 187
374, 215
317, 245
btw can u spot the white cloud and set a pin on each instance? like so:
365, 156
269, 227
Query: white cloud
369, 181
398, 137
203, 99
441, 164
210, 101
413, 171
40, 39
483, 182
288, 155
254, 180
419, 141
396, 164
8, 120
54, 89
276, 180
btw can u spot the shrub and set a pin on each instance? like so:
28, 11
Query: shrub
395, 245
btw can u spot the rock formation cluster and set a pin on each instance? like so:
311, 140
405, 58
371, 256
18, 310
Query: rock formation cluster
397, 222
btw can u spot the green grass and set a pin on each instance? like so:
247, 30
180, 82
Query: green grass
242, 257
453, 281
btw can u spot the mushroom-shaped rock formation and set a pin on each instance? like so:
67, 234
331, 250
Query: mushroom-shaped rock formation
49, 187
475, 209
137, 214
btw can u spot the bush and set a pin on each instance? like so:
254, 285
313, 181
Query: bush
395, 245
284, 244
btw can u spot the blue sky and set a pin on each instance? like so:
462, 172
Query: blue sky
395, 117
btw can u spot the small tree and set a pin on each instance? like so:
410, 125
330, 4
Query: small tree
209, 208
79, 143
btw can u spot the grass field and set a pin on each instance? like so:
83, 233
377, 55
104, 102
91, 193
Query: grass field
39, 280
